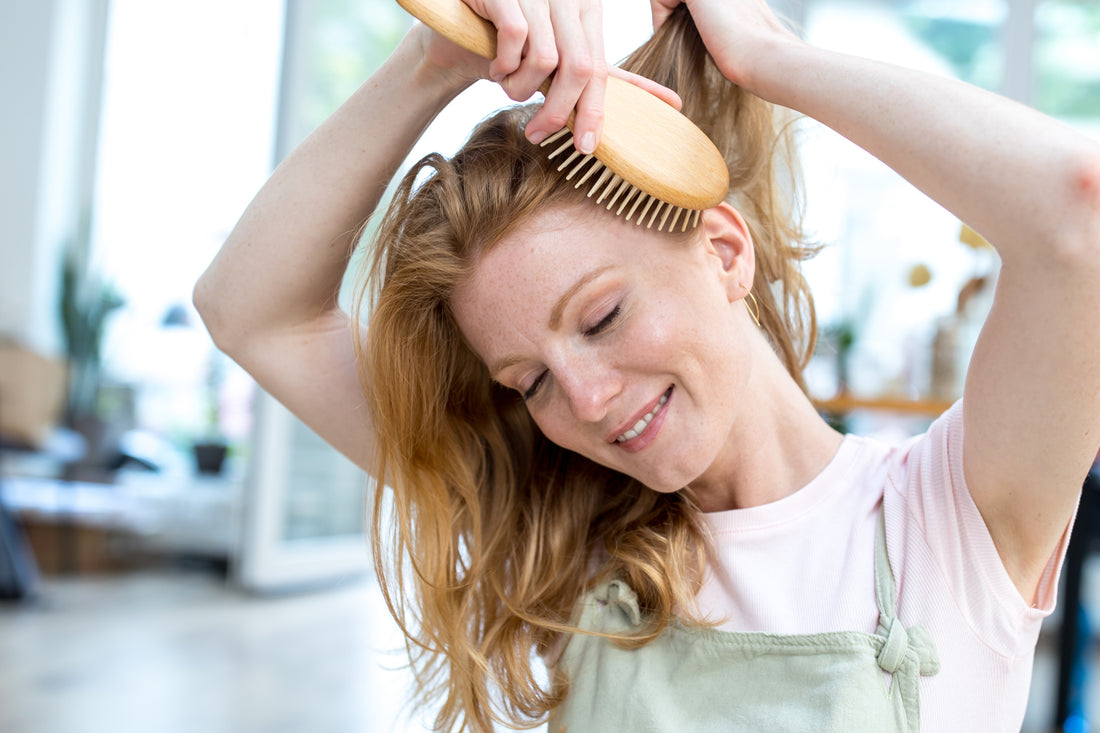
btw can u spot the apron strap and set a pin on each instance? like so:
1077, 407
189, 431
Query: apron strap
915, 642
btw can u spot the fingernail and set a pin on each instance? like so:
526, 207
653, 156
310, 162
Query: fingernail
537, 136
499, 78
588, 143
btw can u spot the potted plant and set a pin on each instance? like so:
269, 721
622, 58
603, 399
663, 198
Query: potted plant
212, 448
85, 304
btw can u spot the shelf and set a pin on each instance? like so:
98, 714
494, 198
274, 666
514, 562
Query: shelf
842, 404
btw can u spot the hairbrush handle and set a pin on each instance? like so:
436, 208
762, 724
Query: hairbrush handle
647, 142
454, 20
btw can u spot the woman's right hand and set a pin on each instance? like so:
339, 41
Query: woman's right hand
537, 38
448, 58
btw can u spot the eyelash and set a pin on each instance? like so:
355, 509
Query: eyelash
604, 323
595, 330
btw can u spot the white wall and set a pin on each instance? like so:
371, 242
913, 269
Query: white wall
51, 54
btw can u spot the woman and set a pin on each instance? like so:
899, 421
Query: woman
590, 425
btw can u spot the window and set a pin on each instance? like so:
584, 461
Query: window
186, 140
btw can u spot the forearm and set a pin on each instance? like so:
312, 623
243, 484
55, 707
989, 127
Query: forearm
283, 262
1017, 176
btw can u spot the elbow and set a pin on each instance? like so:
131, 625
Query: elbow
212, 311
1079, 240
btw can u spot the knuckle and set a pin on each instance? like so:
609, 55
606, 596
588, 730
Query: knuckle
557, 119
579, 68
513, 30
544, 60
515, 93
594, 116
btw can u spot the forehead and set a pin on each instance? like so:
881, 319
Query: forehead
544, 255
516, 283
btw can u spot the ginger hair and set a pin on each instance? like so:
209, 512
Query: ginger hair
489, 533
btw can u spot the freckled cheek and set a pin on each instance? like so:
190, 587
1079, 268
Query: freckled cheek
671, 340
655, 335
559, 427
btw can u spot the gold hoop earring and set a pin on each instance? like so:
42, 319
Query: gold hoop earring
754, 309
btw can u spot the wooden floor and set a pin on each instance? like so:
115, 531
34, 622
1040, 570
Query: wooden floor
168, 651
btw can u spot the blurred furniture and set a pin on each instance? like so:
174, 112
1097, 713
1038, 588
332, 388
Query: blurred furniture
18, 571
1071, 649
32, 391
83, 527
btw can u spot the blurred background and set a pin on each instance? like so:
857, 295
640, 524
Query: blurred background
178, 552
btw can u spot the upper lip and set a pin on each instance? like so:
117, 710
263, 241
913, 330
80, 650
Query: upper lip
632, 421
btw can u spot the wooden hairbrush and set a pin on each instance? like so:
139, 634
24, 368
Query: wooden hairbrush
652, 161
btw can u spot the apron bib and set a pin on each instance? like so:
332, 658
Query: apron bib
702, 679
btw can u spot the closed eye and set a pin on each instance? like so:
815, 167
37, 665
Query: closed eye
604, 323
595, 330
534, 388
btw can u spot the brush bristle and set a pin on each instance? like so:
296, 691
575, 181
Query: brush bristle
611, 186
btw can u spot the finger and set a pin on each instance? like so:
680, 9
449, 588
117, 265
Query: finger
512, 30
576, 69
660, 91
540, 54
588, 124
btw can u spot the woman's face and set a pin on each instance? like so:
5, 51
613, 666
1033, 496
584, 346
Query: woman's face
627, 345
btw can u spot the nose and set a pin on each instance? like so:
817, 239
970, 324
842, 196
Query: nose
589, 388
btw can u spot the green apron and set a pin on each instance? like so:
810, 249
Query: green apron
702, 679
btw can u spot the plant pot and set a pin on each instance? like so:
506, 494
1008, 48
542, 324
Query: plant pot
210, 457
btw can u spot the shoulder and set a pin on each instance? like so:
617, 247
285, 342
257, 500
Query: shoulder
941, 548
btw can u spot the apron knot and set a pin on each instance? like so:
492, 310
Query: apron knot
619, 600
901, 641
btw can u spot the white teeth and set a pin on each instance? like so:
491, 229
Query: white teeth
639, 426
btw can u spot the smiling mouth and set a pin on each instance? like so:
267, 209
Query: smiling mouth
644, 420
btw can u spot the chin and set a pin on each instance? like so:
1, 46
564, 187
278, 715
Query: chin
664, 484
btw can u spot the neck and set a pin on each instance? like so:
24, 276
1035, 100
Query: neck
777, 445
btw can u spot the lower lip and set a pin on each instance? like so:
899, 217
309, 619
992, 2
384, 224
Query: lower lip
648, 435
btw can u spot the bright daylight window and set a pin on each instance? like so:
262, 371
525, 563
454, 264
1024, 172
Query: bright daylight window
888, 284
186, 140
188, 135
896, 288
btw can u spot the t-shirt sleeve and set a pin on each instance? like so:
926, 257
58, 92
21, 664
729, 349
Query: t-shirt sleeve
933, 514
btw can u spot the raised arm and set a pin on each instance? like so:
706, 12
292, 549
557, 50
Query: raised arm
1031, 186
269, 297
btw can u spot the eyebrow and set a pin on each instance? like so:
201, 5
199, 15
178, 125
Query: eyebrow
559, 307
555, 314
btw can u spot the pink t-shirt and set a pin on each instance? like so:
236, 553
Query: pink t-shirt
805, 564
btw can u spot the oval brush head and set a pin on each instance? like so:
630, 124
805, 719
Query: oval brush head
652, 161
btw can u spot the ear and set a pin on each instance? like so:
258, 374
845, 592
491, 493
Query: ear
727, 238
